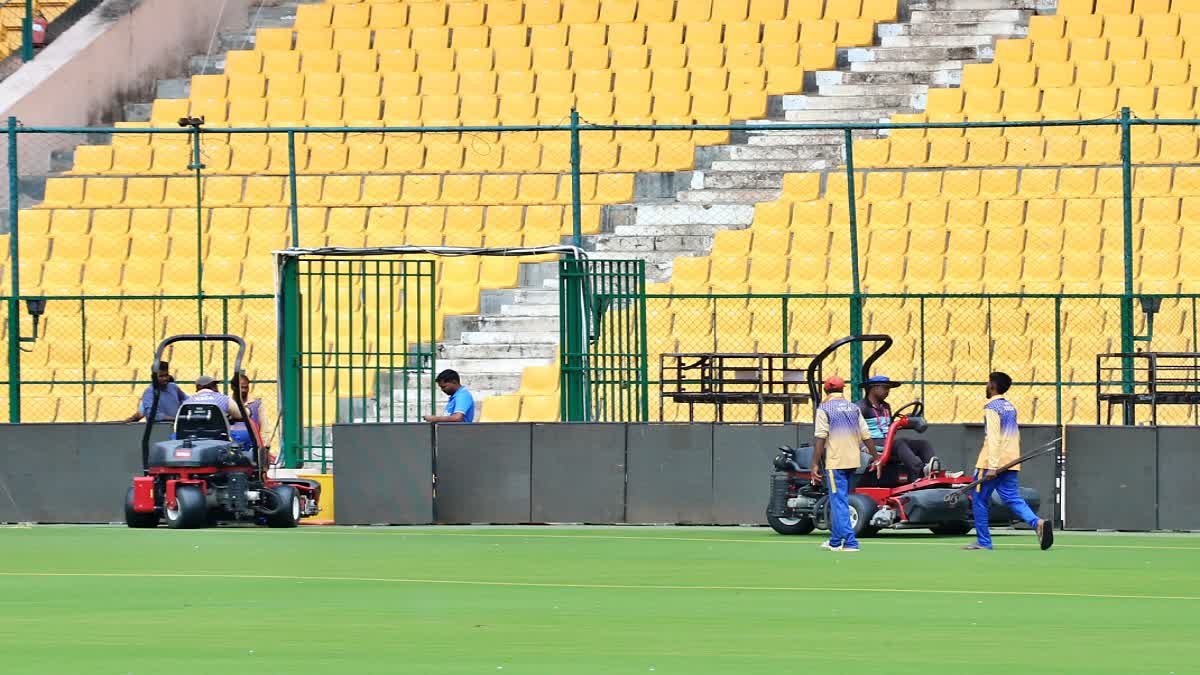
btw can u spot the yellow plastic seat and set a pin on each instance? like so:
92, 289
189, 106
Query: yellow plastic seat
502, 408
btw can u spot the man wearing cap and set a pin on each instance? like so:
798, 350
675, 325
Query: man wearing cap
170, 397
916, 454
206, 392
840, 431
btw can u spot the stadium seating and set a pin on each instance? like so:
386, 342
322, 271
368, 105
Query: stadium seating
122, 220
1033, 210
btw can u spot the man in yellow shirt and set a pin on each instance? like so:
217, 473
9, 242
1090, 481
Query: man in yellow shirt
1001, 445
840, 432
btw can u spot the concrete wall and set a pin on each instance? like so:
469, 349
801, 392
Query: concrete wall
1133, 478
110, 55
1128, 478
599, 473
68, 473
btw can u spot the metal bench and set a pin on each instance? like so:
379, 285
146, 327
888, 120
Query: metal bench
723, 379
1150, 378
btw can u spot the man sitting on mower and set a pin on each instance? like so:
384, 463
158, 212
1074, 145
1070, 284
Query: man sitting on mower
916, 455
206, 392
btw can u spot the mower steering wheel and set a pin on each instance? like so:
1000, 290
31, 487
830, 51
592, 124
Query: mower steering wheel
918, 409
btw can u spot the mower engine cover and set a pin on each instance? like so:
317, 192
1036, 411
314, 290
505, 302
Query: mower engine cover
190, 452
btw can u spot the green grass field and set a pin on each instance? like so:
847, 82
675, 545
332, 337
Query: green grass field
602, 600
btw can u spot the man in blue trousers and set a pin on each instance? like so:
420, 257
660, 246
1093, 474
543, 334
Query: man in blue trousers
1001, 445
840, 432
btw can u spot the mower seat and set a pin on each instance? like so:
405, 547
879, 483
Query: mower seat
803, 456
201, 421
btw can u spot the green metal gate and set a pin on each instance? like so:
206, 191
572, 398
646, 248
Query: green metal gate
603, 335
357, 344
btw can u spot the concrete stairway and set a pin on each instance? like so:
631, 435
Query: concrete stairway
927, 47
516, 328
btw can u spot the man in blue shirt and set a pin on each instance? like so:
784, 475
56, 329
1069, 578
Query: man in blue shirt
170, 397
461, 406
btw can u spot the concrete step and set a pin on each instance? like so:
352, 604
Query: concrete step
174, 88
910, 66
515, 324
935, 41
915, 6
752, 177
491, 302
525, 350
499, 338
755, 165
206, 65
910, 54
530, 309
750, 168
729, 198
242, 39
491, 365
840, 116
672, 243
831, 150
137, 112
967, 17
994, 29
676, 229
790, 138
862, 97
723, 214
873, 95
827, 78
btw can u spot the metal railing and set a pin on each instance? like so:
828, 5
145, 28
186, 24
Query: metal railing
883, 229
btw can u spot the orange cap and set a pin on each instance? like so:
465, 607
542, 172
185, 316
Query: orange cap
834, 383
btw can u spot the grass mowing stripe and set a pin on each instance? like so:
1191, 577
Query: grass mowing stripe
634, 587
769, 539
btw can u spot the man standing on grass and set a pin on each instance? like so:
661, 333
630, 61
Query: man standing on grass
841, 429
461, 406
1001, 444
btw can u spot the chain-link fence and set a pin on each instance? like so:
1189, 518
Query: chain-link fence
90, 359
979, 245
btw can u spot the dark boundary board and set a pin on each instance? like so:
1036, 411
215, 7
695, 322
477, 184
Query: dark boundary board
69, 473
383, 474
1111, 478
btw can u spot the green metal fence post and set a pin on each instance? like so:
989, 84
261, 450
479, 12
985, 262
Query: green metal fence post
295, 200
27, 32
1127, 294
643, 351
1058, 383
14, 299
290, 374
576, 190
571, 335
855, 296
197, 166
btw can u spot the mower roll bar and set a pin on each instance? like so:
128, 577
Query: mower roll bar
235, 383
814, 367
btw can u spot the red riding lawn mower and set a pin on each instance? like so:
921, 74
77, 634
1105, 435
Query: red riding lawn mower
798, 506
204, 476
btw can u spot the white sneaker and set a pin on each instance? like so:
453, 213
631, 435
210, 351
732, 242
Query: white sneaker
825, 545
847, 549
933, 465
